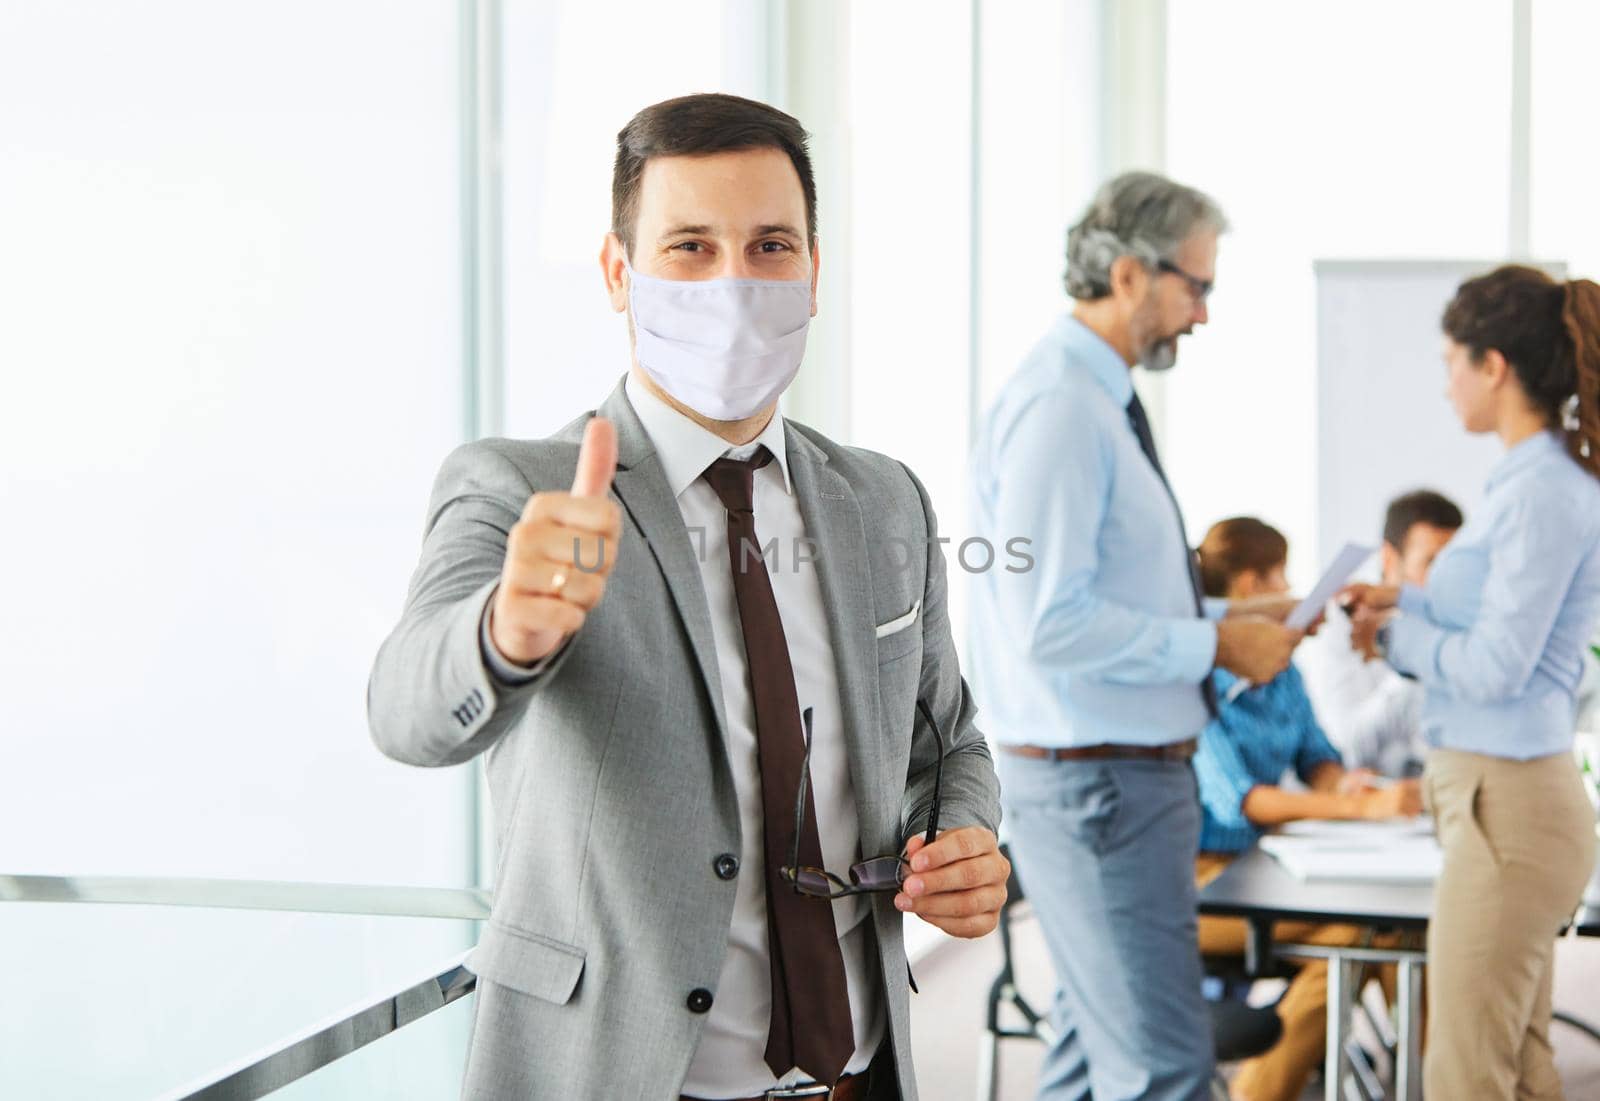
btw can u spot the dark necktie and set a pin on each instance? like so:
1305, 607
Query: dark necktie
1147, 444
811, 1025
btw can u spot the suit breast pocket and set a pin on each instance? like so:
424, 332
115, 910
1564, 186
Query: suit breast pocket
900, 636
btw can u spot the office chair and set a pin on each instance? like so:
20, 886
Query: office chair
1238, 1031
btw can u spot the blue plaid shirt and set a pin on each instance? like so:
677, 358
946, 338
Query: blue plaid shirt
1262, 731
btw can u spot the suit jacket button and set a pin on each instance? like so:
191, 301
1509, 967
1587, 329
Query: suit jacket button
699, 1000
726, 865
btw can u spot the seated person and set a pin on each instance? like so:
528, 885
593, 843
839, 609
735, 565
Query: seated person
1370, 712
1262, 731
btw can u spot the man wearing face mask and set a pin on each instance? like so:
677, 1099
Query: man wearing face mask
727, 740
1096, 663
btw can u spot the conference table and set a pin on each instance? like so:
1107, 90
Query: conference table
1260, 891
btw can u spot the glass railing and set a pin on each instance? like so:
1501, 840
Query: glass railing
424, 1060
228, 989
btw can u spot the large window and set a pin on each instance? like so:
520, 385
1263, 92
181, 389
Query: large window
1363, 129
575, 72
1040, 161
231, 349
909, 249
1566, 159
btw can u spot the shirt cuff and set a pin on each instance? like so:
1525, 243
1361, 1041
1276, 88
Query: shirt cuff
1413, 601
1413, 642
507, 672
1215, 607
1192, 649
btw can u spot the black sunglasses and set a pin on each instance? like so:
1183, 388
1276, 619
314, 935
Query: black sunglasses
1200, 288
881, 873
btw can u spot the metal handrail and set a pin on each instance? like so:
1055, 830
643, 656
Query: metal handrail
260, 1074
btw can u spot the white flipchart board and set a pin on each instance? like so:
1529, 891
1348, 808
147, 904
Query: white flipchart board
1384, 425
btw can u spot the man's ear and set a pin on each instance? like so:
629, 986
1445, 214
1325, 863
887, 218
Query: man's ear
1129, 279
614, 269
816, 270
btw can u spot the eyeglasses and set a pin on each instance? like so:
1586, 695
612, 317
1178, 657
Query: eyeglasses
881, 873
1200, 288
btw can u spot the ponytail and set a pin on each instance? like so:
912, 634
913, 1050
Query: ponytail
1580, 317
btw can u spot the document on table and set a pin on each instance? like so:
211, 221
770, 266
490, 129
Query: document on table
1375, 831
1344, 564
1400, 851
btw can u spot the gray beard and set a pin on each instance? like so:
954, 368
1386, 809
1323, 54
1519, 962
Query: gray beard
1160, 356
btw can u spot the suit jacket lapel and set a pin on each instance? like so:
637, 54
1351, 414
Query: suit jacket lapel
642, 487
833, 520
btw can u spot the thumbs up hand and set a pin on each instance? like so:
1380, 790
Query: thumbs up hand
558, 556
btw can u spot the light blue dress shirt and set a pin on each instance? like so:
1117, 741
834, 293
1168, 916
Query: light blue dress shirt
1497, 636
1261, 732
1099, 640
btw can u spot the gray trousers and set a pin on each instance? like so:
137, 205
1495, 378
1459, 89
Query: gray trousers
1105, 852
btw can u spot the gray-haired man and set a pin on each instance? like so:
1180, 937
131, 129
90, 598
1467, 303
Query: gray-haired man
1096, 663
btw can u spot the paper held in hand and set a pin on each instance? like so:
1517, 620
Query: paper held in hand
1344, 564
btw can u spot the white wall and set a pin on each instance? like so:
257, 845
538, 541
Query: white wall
1383, 425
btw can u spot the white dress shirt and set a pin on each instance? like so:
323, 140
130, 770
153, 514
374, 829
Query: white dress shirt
1371, 714
730, 1060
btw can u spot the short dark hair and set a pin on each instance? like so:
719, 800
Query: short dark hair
1420, 506
1238, 544
699, 125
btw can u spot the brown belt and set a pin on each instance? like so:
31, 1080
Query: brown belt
1177, 751
852, 1087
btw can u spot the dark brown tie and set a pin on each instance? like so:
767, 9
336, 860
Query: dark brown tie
811, 1025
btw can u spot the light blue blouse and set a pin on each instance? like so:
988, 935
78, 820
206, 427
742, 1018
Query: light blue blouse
1497, 636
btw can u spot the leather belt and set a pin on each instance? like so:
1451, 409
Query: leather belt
1177, 751
852, 1087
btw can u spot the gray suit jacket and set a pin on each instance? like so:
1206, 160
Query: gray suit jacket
608, 775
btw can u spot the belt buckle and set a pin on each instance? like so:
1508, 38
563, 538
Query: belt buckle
815, 1089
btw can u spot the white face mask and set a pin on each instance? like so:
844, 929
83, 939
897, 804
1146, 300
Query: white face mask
726, 348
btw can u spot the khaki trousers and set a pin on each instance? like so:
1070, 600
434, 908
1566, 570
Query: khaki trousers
1281, 1073
1519, 845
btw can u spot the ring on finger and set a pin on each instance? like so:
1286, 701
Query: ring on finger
558, 581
